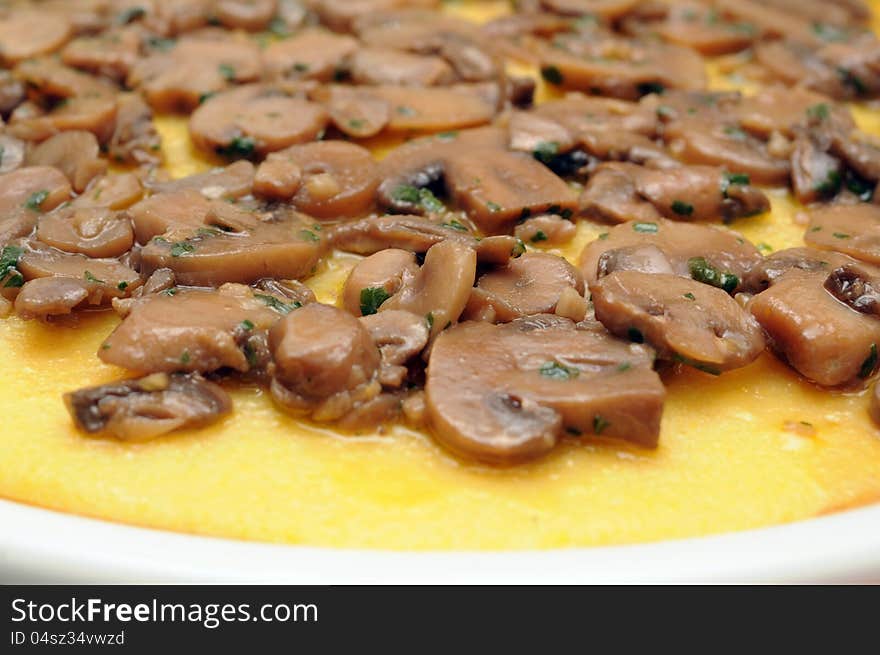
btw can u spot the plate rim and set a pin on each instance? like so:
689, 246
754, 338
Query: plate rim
55, 547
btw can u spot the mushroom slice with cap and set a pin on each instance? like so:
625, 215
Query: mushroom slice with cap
620, 68
388, 66
180, 78
808, 260
157, 214
706, 140
400, 337
441, 287
105, 278
111, 53
781, 109
229, 182
375, 279
850, 229
135, 139
709, 254
77, 154
504, 394
546, 230
285, 248
137, 410
336, 179
250, 15
30, 33
697, 26
254, 119
325, 363
191, 330
530, 284
116, 191
815, 174
92, 231
353, 110
684, 320
611, 195
33, 188
824, 339
856, 287
496, 187
312, 53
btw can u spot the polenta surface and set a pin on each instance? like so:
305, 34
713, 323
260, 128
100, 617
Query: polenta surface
754, 447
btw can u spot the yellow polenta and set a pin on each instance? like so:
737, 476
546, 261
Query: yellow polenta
735, 451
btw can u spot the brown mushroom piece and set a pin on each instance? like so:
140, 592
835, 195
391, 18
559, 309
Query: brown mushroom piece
250, 15
824, 339
850, 229
606, 9
146, 408
312, 53
179, 79
277, 177
12, 92
284, 247
815, 174
135, 139
30, 33
530, 284
105, 278
388, 66
376, 278
856, 287
116, 191
75, 153
546, 230
807, 260
441, 287
111, 53
400, 337
422, 163
191, 330
496, 187
780, 109
697, 26
505, 394
620, 68
37, 188
50, 296
254, 119
337, 179
716, 256
706, 140
353, 110
610, 195
95, 232
684, 320
229, 182
12, 153
325, 362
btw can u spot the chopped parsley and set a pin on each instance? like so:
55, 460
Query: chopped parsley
9, 272
91, 278
454, 225
403, 110
240, 146
700, 366
451, 135
372, 298
690, 296
247, 325
552, 75
356, 123
735, 132
518, 249
131, 14
36, 199
558, 371
417, 196
665, 111
279, 28
731, 179
682, 208
831, 184
600, 424
818, 112
493, 206
181, 248
122, 286
308, 235
703, 271
623, 366
227, 71
870, 363
185, 358
429, 320
852, 81
651, 87
538, 236
840, 235
635, 335
273, 303
647, 228
546, 151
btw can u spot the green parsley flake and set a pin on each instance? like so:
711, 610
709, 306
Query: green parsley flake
682, 208
703, 271
552, 75
181, 248
558, 371
600, 424
36, 199
647, 228
372, 298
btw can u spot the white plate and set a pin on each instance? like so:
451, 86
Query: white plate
37, 545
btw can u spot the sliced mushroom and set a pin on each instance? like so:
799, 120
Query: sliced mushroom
546, 229
111, 53
116, 191
400, 337
138, 410
620, 68
684, 320
607, 9
780, 109
809, 260
530, 284
856, 287
105, 278
178, 79
95, 232
27, 33
51, 296
251, 15
254, 119
441, 288
611, 195
337, 179
325, 362
135, 139
850, 229
11, 153
504, 394
312, 53
74, 153
191, 330
815, 174
229, 183
697, 26
822, 338
714, 255
497, 187
387, 66
278, 177
375, 279
36, 188
285, 248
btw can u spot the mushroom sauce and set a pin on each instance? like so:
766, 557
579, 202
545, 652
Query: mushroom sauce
537, 232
